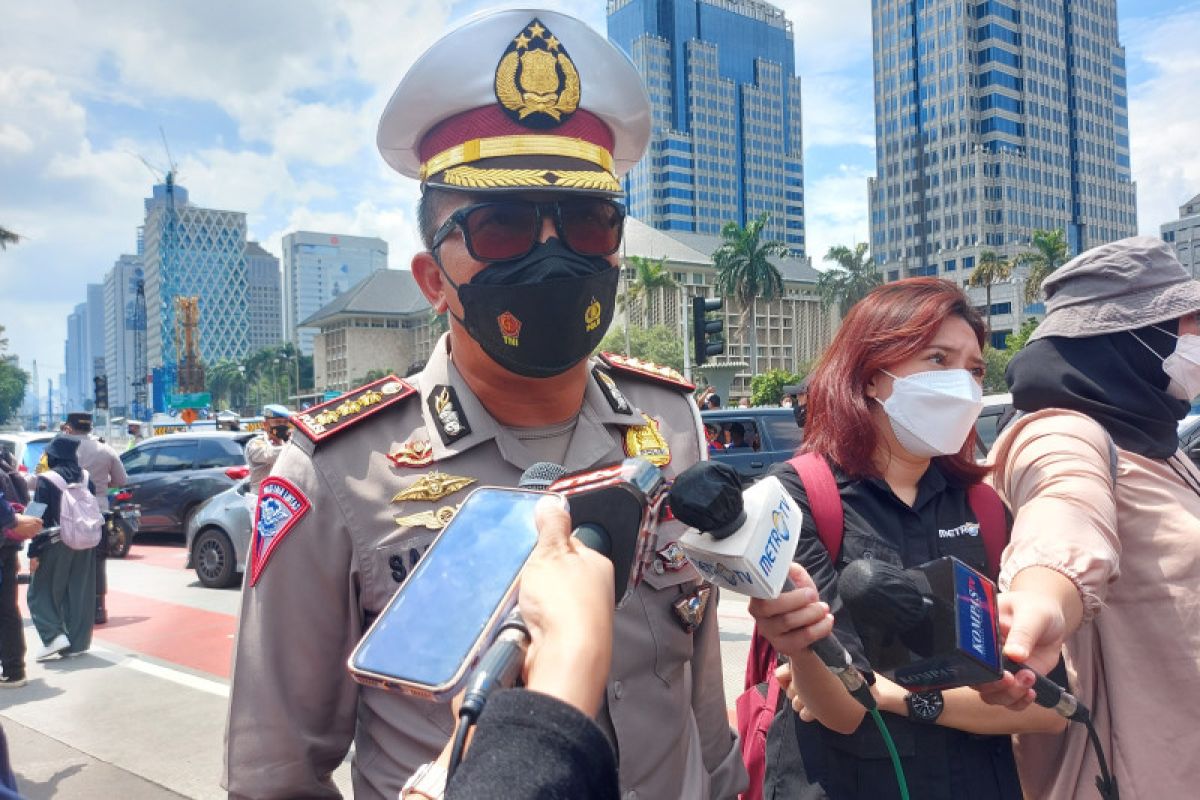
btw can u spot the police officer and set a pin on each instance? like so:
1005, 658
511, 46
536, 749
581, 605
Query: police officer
262, 450
519, 126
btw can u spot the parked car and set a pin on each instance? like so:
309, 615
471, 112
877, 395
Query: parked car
987, 427
753, 438
171, 475
218, 537
26, 448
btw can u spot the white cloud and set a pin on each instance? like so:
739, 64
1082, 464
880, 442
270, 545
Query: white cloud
836, 211
394, 224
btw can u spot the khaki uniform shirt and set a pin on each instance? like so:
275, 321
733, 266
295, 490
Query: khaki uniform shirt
261, 454
294, 710
103, 465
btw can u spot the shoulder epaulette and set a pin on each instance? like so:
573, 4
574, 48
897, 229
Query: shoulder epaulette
324, 420
645, 369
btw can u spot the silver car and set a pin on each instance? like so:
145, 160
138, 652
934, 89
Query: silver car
218, 536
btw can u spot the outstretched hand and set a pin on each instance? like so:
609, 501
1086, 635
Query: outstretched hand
1034, 627
795, 619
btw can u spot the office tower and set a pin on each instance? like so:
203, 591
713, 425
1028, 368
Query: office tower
725, 98
993, 119
1183, 234
193, 252
124, 322
264, 299
75, 383
318, 267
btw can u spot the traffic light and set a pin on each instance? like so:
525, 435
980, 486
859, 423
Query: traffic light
100, 384
706, 333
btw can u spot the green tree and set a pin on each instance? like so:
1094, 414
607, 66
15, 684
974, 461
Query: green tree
226, 383
372, 375
854, 275
438, 323
767, 389
648, 275
1048, 254
991, 269
996, 361
13, 381
658, 344
7, 237
744, 271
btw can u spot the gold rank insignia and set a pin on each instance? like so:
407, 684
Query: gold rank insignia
645, 441
434, 519
412, 454
536, 81
691, 607
432, 486
324, 420
646, 369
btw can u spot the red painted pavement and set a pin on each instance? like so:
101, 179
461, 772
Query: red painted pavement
189, 637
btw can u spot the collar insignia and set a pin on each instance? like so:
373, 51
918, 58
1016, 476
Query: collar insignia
611, 393
646, 442
448, 414
432, 486
691, 607
412, 454
536, 81
435, 520
646, 369
326, 419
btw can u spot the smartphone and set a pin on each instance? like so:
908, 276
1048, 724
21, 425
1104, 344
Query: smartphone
35, 509
426, 641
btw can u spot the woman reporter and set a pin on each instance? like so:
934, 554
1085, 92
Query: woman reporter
891, 411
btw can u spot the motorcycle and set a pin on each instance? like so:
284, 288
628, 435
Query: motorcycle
121, 524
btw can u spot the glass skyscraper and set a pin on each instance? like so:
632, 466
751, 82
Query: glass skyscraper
318, 267
993, 119
726, 144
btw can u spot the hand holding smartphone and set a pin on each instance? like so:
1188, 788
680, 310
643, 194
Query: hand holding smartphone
35, 509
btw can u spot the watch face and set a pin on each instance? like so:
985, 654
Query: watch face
925, 706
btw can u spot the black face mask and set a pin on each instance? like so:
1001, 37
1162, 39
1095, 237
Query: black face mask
280, 432
542, 314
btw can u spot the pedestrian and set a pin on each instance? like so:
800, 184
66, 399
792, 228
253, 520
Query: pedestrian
904, 373
20, 487
1105, 551
62, 590
15, 528
519, 125
263, 449
106, 471
713, 401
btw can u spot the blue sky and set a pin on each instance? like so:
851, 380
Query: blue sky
270, 108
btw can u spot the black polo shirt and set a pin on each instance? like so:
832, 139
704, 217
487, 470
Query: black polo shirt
940, 763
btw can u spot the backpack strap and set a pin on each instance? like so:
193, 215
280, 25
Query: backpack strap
993, 524
760, 660
824, 501
58, 481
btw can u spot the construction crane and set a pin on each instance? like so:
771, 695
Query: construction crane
137, 324
189, 369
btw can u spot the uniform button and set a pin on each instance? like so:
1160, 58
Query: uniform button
618, 689
659, 569
631, 794
868, 554
398, 575
396, 562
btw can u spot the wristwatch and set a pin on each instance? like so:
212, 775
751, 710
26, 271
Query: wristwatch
428, 781
925, 707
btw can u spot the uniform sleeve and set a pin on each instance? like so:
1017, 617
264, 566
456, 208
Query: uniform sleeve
117, 476
258, 452
292, 704
1054, 471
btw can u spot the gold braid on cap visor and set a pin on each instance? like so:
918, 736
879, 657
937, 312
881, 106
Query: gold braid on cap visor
499, 146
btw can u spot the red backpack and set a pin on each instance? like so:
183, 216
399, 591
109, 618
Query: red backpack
755, 711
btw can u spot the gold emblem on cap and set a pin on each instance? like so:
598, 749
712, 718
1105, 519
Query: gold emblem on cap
435, 520
591, 316
536, 81
432, 486
645, 441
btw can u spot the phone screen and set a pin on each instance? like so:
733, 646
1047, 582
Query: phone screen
35, 509
433, 624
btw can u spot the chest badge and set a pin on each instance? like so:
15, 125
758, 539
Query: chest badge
412, 454
646, 442
434, 519
448, 414
432, 486
672, 558
691, 607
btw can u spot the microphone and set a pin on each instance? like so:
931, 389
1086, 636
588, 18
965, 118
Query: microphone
945, 614
744, 542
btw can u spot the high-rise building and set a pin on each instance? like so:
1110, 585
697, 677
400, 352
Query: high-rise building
193, 252
726, 142
78, 360
318, 267
993, 119
1183, 234
124, 321
264, 300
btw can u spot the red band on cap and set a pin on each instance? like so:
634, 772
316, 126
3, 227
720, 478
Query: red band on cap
488, 121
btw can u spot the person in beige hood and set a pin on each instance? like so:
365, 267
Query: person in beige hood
1105, 551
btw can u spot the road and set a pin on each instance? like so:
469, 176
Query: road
142, 714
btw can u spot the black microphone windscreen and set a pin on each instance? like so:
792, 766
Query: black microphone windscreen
539, 476
708, 497
882, 594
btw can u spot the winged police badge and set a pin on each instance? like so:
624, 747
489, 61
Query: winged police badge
434, 519
432, 486
536, 81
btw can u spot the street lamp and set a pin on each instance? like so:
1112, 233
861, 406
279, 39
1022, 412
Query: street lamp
275, 380
242, 384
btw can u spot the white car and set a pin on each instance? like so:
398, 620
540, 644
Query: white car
26, 448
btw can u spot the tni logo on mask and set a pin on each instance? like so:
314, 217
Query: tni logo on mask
510, 328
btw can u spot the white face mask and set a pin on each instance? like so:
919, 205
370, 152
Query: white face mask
933, 412
1182, 366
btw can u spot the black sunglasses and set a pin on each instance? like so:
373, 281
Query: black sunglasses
504, 230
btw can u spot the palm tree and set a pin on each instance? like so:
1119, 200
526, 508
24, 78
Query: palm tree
849, 281
992, 269
7, 237
1048, 254
744, 270
648, 276
223, 377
